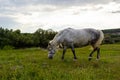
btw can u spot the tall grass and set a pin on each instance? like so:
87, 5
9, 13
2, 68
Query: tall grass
33, 64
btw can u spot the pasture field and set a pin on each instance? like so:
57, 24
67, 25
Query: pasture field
33, 64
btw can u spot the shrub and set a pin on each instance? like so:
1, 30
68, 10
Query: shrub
8, 47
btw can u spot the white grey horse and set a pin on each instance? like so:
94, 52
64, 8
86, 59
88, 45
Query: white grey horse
71, 38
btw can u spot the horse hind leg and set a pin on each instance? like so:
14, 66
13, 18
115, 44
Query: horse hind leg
95, 46
98, 53
90, 55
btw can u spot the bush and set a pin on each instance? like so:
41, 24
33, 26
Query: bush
8, 47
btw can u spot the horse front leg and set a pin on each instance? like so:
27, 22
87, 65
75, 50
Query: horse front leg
64, 50
73, 51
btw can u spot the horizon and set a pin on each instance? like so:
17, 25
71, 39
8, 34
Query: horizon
56, 30
28, 16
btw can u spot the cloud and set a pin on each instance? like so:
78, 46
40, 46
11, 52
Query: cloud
52, 2
30, 13
62, 2
27, 6
116, 11
9, 6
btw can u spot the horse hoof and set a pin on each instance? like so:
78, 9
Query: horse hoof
74, 59
89, 58
97, 59
62, 59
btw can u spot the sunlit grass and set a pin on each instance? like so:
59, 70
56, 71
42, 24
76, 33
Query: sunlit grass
33, 64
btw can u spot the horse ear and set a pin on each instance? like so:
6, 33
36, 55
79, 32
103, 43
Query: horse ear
50, 42
60, 46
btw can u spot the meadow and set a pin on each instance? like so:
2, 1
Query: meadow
33, 64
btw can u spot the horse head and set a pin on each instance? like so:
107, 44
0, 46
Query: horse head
51, 49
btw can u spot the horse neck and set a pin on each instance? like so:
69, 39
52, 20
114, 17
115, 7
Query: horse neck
55, 42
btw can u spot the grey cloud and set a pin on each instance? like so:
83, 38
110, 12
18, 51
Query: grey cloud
13, 6
26, 13
118, 1
92, 8
10, 7
52, 2
70, 2
116, 11
49, 9
7, 10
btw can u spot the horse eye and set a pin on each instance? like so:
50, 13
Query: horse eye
49, 44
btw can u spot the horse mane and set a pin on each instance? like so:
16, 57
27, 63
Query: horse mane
63, 31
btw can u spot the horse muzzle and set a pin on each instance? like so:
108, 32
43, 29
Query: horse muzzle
50, 56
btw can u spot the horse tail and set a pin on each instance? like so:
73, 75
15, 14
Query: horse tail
100, 39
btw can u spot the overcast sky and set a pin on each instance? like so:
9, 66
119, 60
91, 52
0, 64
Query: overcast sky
29, 15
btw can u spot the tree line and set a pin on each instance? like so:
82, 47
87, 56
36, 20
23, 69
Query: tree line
40, 38
112, 36
16, 39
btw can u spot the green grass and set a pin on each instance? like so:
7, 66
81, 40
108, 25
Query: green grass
33, 64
